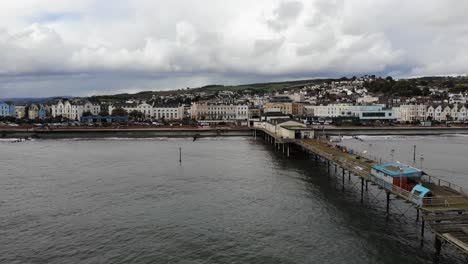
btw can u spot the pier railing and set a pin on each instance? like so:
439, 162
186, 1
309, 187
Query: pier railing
446, 202
396, 190
443, 183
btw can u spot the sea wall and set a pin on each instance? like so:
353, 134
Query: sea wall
123, 133
229, 132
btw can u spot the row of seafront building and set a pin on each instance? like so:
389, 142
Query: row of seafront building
76, 109
211, 111
401, 113
32, 111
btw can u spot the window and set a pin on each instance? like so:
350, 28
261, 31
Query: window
374, 114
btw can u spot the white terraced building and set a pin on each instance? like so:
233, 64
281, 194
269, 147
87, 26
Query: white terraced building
219, 112
410, 112
422, 112
74, 110
363, 112
150, 111
169, 113
457, 112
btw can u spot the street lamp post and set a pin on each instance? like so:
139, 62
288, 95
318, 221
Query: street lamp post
421, 159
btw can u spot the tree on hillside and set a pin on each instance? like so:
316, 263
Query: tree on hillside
459, 89
426, 91
423, 83
449, 83
119, 112
136, 115
104, 113
87, 113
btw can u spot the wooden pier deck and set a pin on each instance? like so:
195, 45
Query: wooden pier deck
446, 211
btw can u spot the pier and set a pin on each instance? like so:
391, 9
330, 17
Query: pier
445, 211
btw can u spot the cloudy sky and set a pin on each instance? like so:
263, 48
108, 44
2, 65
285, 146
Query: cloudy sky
87, 47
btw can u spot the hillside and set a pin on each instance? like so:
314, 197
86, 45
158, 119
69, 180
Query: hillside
388, 86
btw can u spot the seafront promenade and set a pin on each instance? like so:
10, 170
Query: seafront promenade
124, 132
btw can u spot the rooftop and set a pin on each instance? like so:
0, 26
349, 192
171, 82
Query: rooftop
398, 169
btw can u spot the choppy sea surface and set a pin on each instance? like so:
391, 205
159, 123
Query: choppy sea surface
231, 200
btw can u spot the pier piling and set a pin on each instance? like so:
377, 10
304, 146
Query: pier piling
388, 205
422, 231
342, 180
362, 190
437, 247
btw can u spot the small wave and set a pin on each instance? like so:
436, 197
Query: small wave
380, 137
460, 135
15, 140
9, 139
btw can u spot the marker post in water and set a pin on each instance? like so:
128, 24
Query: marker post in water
180, 154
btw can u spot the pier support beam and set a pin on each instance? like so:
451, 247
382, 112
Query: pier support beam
349, 175
437, 247
388, 205
417, 214
362, 190
366, 185
422, 231
342, 180
288, 150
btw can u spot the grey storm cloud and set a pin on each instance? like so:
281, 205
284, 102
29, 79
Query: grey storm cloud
284, 14
91, 47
